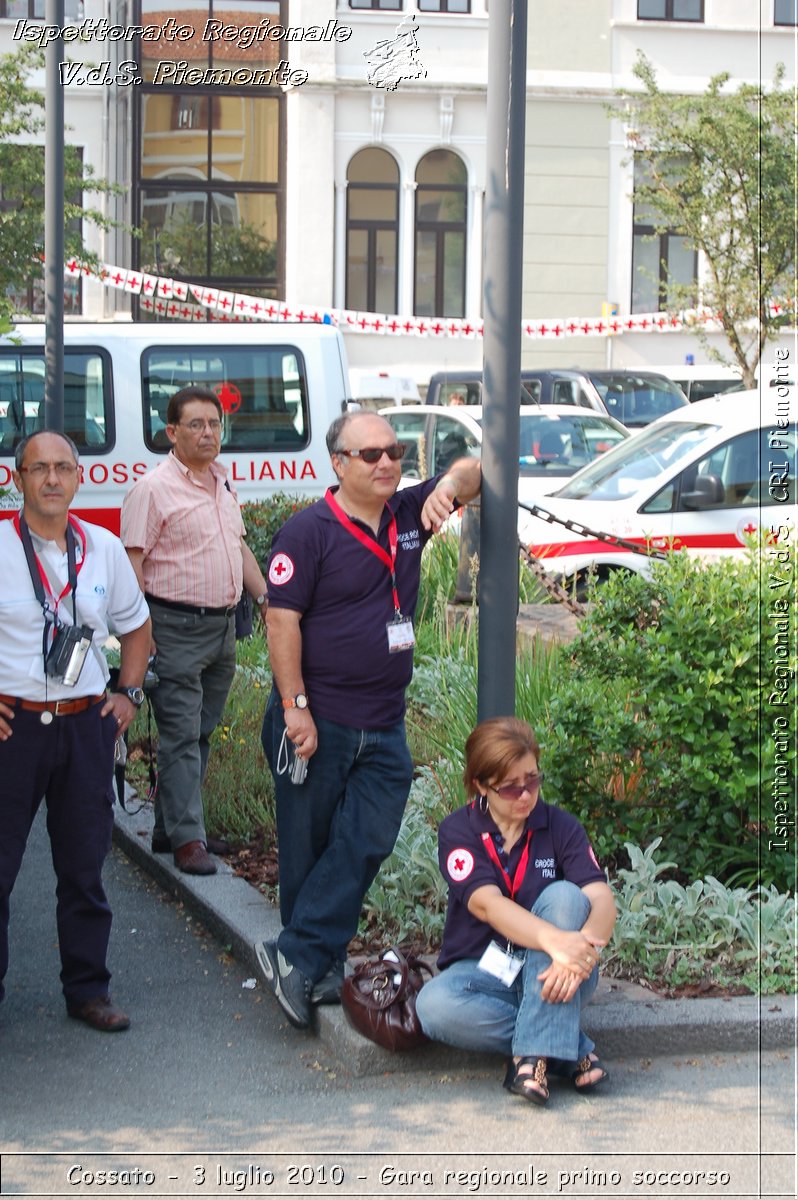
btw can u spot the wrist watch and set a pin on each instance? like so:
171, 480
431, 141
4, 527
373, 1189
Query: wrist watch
300, 700
134, 694
260, 600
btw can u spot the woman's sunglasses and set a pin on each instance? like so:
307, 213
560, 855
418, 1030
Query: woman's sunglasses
514, 791
373, 454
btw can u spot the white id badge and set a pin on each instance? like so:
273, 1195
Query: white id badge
400, 635
501, 964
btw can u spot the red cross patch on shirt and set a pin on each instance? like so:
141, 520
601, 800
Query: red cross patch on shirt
281, 569
460, 864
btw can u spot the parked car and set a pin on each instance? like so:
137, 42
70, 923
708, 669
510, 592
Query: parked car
636, 398
537, 387
705, 478
700, 383
554, 441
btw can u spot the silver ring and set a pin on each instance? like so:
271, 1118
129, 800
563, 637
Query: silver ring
119, 720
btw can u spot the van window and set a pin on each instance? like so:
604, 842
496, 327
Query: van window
263, 391
751, 471
623, 471
88, 407
469, 392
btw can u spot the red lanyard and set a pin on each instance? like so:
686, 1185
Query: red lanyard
43, 574
520, 871
373, 547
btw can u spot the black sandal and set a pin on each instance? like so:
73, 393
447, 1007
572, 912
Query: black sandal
583, 1067
520, 1082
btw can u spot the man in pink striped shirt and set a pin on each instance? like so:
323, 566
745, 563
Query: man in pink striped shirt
182, 528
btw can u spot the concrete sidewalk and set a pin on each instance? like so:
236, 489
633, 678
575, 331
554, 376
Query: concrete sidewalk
623, 1018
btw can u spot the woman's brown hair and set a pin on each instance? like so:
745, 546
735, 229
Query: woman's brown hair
494, 746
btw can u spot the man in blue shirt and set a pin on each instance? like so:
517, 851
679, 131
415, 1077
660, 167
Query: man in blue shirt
343, 586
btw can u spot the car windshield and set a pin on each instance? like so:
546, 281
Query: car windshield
642, 457
557, 445
636, 400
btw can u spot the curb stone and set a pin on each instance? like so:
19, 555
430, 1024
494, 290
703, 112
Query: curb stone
625, 1020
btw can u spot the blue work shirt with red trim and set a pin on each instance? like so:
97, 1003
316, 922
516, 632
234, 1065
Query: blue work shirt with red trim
343, 591
559, 849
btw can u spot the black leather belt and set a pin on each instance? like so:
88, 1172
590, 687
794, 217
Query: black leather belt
195, 609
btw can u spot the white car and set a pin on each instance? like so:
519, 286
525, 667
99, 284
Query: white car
555, 441
705, 479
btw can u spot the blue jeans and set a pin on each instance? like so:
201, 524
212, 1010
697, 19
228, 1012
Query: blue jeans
466, 1007
333, 832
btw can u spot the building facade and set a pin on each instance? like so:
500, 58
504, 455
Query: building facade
332, 153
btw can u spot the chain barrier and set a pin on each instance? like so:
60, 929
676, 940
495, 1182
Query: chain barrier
585, 531
550, 584
548, 581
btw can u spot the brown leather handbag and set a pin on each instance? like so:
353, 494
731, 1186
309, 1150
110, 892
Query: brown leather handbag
380, 999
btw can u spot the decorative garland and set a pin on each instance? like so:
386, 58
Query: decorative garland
183, 301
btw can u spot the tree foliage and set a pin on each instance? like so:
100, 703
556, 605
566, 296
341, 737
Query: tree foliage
720, 171
22, 119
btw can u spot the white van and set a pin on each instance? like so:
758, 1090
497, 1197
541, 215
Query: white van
280, 388
705, 479
377, 389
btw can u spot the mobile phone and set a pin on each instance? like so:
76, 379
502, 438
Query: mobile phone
299, 769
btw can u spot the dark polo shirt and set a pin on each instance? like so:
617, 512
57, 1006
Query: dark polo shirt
559, 849
343, 591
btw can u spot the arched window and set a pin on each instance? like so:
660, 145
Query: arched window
440, 249
372, 231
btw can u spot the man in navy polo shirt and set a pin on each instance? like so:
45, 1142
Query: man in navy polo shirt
343, 584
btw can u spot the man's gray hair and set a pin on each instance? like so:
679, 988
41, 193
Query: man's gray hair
21, 447
335, 432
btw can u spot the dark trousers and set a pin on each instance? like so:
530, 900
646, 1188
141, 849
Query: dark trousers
70, 763
333, 832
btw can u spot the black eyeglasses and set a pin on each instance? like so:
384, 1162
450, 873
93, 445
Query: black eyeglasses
373, 454
514, 791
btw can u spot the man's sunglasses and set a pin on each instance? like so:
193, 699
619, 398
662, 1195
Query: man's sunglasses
373, 454
514, 791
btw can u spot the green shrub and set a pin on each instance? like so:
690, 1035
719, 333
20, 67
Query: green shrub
654, 723
262, 519
238, 791
705, 932
439, 565
408, 898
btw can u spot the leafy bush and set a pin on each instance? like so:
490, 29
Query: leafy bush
669, 934
442, 699
408, 898
262, 519
238, 791
439, 568
653, 725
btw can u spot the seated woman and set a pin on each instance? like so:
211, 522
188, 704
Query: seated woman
529, 911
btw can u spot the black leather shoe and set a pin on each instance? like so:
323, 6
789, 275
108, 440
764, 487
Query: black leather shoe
101, 1013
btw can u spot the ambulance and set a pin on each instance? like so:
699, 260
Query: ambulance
706, 479
280, 387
